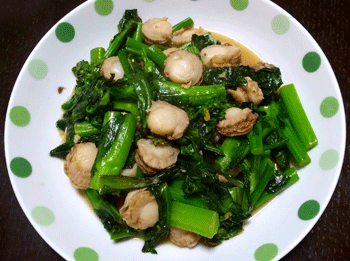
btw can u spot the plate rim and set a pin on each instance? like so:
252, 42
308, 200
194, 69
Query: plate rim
85, 4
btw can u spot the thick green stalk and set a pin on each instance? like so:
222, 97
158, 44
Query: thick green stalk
138, 33
153, 52
128, 71
298, 116
177, 194
149, 64
109, 115
202, 221
295, 146
234, 150
116, 43
113, 150
84, 129
145, 95
265, 197
183, 24
255, 173
196, 95
97, 54
156, 55
266, 171
114, 183
129, 105
255, 139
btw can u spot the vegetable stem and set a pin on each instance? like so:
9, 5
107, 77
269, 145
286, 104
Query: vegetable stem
294, 145
204, 222
84, 129
266, 170
298, 116
196, 95
97, 54
265, 197
255, 139
119, 39
183, 24
138, 33
128, 71
114, 147
234, 150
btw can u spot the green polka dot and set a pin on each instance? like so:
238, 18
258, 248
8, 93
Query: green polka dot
266, 252
239, 5
65, 32
329, 107
21, 167
308, 210
329, 159
311, 61
43, 216
104, 7
37, 69
19, 116
280, 24
149, 1
85, 254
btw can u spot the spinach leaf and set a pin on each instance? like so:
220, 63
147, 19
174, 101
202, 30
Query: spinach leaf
129, 15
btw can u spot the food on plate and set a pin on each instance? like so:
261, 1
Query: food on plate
171, 134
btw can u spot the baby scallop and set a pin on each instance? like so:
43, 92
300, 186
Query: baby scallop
221, 56
112, 66
157, 30
237, 122
131, 173
183, 67
140, 209
183, 238
183, 36
151, 158
261, 65
248, 93
170, 50
78, 164
167, 120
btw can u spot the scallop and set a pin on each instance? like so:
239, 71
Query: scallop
78, 164
184, 67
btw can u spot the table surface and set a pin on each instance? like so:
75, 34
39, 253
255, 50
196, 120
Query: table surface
24, 23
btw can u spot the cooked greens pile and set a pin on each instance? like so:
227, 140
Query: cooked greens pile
217, 181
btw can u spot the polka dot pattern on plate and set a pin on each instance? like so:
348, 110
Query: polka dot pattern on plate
37, 69
266, 252
65, 32
43, 216
21, 167
19, 116
329, 159
308, 210
85, 254
311, 62
239, 5
329, 107
104, 7
280, 24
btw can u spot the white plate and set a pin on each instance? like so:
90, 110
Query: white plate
57, 211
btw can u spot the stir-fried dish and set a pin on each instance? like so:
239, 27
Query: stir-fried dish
171, 137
